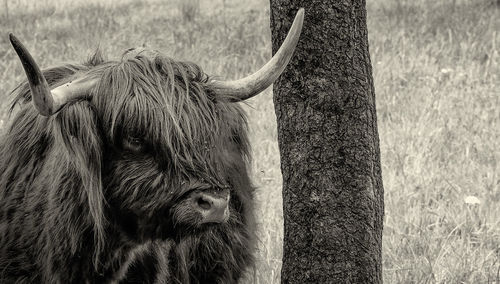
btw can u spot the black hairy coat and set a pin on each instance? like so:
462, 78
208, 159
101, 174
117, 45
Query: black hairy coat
95, 192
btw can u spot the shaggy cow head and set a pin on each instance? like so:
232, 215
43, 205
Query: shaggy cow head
159, 147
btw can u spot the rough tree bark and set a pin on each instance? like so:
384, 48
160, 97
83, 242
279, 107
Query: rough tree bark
329, 146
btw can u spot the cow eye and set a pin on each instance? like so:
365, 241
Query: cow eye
133, 143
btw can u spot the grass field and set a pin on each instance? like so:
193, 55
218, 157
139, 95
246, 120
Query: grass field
436, 67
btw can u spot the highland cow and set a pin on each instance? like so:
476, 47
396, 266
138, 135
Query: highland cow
133, 170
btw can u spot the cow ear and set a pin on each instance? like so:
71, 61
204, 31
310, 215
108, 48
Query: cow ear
77, 129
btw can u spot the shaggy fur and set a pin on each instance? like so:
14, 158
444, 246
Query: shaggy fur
96, 193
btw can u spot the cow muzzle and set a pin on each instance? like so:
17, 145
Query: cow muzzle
213, 206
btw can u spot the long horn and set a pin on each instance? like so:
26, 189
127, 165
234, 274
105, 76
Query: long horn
48, 102
257, 82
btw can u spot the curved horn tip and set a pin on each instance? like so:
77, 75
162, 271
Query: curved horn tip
40, 91
300, 13
12, 37
15, 41
257, 82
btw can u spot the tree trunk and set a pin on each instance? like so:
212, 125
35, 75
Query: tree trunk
329, 146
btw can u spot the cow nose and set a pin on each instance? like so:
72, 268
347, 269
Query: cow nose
213, 208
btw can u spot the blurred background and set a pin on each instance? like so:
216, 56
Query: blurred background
436, 68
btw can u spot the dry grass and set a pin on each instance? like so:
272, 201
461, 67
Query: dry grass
436, 69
